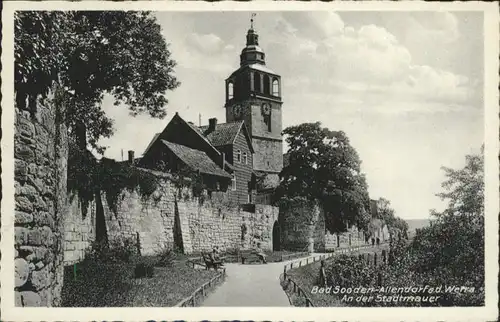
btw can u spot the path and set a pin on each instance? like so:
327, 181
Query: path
253, 285
250, 285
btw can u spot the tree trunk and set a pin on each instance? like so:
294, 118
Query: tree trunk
315, 209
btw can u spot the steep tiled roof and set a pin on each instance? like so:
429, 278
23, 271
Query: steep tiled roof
224, 133
196, 159
151, 143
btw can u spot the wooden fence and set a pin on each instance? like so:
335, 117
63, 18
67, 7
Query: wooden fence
285, 257
310, 260
201, 292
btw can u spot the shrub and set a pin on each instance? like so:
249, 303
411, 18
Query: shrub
166, 256
144, 269
119, 250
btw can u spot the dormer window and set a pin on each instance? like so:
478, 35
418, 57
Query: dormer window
276, 87
238, 156
230, 90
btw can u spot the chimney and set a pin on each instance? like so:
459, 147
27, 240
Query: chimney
131, 156
212, 124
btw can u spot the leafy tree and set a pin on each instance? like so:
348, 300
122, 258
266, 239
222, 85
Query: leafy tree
323, 166
451, 250
395, 224
90, 54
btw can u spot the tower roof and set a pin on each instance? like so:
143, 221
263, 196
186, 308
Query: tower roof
252, 53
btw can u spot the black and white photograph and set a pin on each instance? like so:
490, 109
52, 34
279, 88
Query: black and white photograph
251, 157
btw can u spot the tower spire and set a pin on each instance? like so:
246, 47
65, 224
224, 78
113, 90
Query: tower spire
251, 20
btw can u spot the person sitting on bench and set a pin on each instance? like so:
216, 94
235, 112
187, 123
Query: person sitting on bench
216, 256
260, 253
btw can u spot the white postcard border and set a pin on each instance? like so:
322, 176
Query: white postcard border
492, 199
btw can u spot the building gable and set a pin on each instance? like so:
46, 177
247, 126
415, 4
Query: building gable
181, 132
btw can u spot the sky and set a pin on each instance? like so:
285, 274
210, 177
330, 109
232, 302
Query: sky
406, 87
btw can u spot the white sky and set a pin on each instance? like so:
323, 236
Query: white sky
407, 88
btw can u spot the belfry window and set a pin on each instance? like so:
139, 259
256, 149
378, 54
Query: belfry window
276, 88
256, 83
267, 85
230, 90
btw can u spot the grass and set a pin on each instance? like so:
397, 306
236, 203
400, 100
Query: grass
100, 284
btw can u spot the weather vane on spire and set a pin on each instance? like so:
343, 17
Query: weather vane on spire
251, 20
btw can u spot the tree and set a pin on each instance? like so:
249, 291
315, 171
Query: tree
90, 54
387, 215
323, 166
451, 250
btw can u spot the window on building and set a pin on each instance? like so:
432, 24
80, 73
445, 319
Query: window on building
256, 82
238, 156
230, 90
233, 182
276, 88
245, 158
267, 85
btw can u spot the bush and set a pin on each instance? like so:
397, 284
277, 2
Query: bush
119, 250
350, 271
144, 269
166, 257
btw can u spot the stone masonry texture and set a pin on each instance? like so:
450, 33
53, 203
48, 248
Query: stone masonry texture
40, 156
204, 222
298, 224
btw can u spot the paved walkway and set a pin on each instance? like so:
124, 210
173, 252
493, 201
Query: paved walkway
250, 285
253, 285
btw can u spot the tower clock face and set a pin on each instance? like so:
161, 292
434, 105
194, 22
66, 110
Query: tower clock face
237, 110
266, 109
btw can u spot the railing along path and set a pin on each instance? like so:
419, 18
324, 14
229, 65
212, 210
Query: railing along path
201, 292
310, 260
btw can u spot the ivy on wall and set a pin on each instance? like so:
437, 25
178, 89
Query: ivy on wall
88, 176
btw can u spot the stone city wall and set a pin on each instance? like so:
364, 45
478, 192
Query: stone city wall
173, 217
40, 156
79, 228
302, 219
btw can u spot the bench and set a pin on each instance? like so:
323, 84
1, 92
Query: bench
249, 255
210, 262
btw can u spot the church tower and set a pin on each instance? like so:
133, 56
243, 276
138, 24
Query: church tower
253, 94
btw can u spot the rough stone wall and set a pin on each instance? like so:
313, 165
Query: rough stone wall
353, 237
79, 228
296, 220
263, 221
151, 219
201, 225
40, 153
